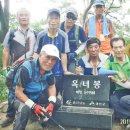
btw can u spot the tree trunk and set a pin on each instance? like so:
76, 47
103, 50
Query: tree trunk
4, 20
86, 11
6, 12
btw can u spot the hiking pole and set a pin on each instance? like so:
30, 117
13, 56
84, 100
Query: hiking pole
50, 117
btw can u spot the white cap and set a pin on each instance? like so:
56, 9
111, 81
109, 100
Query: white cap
51, 50
73, 11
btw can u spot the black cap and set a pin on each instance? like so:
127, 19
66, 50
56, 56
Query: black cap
53, 11
92, 40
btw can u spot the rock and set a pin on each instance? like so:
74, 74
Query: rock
3, 106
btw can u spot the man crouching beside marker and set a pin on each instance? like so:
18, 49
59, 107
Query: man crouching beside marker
33, 90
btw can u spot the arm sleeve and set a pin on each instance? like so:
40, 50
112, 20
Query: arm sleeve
23, 77
50, 80
81, 48
66, 48
82, 35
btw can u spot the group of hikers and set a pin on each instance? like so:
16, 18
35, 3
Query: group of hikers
45, 57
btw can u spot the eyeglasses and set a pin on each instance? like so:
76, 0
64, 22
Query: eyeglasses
71, 16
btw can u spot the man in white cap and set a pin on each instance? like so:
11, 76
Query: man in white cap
35, 86
101, 27
76, 37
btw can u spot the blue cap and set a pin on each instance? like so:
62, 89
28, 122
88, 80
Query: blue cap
99, 2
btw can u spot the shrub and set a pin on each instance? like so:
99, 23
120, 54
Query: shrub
3, 88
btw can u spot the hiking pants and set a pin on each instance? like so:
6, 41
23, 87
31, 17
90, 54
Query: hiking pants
23, 112
120, 102
10, 109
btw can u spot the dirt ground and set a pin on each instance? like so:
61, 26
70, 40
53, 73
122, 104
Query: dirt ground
37, 126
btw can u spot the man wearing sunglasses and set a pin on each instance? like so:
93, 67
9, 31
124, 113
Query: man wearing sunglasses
76, 37
101, 27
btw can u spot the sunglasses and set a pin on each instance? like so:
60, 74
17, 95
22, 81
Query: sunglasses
71, 16
99, 6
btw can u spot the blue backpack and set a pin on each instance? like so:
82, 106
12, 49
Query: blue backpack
12, 72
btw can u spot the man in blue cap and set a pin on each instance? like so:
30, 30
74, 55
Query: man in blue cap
101, 27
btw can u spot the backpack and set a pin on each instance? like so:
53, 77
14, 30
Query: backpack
12, 72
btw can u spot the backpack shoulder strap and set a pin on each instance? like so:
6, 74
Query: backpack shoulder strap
11, 35
33, 69
32, 65
35, 33
76, 33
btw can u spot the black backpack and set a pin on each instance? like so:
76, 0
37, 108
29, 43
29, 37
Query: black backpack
12, 72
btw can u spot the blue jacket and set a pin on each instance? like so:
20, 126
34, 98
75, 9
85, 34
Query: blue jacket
33, 84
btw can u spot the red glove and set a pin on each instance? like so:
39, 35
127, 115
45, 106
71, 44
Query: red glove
50, 107
37, 109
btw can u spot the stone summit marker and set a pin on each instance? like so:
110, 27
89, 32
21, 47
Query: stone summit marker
86, 102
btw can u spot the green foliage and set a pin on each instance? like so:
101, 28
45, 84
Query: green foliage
128, 11
127, 39
13, 22
38, 26
3, 88
1, 48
